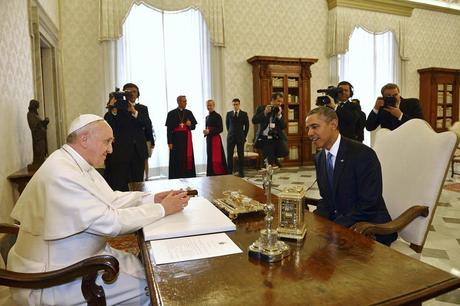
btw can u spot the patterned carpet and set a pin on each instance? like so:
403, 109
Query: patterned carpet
452, 187
127, 243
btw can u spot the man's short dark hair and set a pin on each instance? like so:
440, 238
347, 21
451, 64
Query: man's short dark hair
179, 98
276, 95
350, 87
132, 85
324, 111
389, 86
236, 100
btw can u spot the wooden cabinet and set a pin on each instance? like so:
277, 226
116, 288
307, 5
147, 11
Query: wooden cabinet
439, 96
291, 76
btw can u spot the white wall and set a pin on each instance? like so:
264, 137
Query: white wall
83, 69
433, 41
272, 28
294, 28
16, 87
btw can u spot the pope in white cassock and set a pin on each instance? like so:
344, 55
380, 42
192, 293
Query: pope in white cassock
66, 212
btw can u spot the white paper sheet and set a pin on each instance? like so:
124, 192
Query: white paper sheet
199, 217
191, 248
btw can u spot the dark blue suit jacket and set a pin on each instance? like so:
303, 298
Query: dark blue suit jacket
356, 194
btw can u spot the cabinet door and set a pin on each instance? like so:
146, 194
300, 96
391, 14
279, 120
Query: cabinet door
444, 106
439, 96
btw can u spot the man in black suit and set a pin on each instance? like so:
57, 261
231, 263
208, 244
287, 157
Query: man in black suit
392, 115
348, 173
237, 123
270, 136
351, 118
130, 123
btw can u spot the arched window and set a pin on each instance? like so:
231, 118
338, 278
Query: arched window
167, 54
372, 61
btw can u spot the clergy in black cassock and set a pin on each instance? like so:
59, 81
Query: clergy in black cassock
216, 164
180, 122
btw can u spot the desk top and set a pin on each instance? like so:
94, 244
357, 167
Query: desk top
332, 266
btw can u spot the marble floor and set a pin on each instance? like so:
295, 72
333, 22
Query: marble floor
442, 247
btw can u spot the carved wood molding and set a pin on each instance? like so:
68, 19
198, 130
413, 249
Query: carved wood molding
395, 7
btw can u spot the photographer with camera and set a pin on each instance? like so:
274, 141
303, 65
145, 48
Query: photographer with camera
132, 128
351, 119
391, 110
270, 137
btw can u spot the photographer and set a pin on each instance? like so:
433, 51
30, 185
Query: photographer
351, 119
391, 110
129, 122
270, 137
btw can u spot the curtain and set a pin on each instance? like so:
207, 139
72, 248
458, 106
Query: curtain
372, 60
342, 21
167, 54
114, 12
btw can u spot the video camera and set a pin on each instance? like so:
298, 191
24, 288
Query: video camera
330, 91
121, 98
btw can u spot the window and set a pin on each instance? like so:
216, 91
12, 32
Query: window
372, 61
167, 54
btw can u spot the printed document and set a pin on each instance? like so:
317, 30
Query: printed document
191, 248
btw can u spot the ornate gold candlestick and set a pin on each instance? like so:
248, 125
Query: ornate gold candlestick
268, 247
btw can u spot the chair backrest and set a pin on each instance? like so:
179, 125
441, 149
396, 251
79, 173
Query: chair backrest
414, 161
249, 147
455, 128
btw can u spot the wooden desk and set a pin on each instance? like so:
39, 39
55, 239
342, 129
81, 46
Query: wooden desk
333, 266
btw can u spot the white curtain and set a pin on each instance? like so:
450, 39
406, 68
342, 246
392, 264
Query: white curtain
112, 14
167, 54
372, 60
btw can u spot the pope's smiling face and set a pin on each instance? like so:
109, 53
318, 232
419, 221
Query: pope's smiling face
98, 143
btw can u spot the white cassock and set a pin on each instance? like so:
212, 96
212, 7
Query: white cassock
66, 212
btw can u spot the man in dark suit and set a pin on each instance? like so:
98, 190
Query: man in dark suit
348, 173
351, 118
130, 123
237, 123
392, 115
270, 136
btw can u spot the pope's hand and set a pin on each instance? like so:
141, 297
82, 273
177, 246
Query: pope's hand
175, 201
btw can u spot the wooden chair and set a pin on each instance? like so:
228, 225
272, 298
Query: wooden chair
250, 154
456, 158
414, 161
87, 269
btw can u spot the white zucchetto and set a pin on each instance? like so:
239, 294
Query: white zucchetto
82, 121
